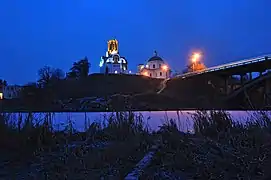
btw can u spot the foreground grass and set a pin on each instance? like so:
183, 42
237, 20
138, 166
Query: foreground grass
219, 149
106, 150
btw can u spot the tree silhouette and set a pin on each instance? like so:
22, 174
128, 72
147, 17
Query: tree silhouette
80, 69
46, 90
48, 75
3, 83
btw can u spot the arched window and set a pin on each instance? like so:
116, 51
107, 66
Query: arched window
153, 66
150, 74
161, 74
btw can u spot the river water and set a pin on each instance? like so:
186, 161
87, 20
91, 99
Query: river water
152, 119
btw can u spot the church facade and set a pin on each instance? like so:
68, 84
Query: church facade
156, 67
112, 62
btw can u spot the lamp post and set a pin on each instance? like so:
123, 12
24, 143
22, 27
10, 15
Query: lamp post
195, 58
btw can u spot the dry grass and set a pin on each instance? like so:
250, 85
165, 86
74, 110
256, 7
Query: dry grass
219, 149
108, 149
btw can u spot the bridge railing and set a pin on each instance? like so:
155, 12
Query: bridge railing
228, 65
238, 63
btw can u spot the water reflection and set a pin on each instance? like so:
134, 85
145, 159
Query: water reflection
152, 119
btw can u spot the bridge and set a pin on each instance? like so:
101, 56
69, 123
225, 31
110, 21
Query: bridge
256, 64
246, 89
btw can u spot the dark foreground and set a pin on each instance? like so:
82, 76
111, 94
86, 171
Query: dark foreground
138, 93
219, 149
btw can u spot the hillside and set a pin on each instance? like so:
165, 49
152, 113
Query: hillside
202, 90
100, 92
100, 85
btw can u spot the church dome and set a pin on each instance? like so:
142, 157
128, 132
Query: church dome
155, 58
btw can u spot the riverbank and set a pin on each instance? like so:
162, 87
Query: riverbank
219, 148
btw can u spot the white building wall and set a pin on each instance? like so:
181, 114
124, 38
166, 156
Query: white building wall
12, 92
157, 73
154, 69
154, 64
114, 68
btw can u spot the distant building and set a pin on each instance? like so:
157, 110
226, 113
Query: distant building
2, 85
112, 62
11, 91
156, 67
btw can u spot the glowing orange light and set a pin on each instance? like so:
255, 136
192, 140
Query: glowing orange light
145, 73
195, 57
165, 67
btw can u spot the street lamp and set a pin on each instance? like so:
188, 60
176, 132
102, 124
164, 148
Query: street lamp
195, 58
145, 73
165, 67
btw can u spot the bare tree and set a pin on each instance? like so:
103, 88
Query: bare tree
48, 75
58, 74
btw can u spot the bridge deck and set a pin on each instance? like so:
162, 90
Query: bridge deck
257, 64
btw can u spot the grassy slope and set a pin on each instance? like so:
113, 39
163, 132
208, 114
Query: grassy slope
103, 85
179, 93
195, 90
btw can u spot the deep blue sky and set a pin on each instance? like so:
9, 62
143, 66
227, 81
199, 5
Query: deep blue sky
34, 33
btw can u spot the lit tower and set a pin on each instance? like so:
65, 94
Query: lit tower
112, 47
112, 62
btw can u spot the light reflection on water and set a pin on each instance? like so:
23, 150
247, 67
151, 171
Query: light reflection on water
152, 119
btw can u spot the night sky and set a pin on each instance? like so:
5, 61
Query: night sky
34, 33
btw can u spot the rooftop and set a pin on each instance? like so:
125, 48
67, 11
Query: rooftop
155, 57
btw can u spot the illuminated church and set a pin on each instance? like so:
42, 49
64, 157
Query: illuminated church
156, 67
112, 62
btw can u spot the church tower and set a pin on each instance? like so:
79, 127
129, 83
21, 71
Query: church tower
112, 62
112, 47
